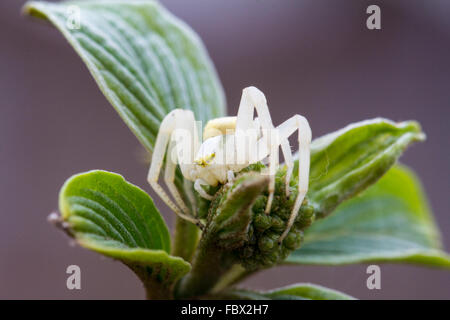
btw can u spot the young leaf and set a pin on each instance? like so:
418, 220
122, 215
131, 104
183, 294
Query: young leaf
231, 212
300, 291
146, 61
105, 213
390, 222
345, 162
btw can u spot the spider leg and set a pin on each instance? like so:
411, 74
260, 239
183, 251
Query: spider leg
230, 176
252, 98
287, 155
273, 166
269, 144
169, 177
168, 125
287, 128
198, 187
276, 141
246, 127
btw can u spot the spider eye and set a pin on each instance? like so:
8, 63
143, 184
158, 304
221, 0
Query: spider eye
203, 162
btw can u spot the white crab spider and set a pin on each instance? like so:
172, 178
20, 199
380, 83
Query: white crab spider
230, 144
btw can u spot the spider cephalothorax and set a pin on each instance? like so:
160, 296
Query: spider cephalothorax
229, 145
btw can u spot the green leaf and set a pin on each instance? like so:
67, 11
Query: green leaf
306, 291
346, 162
390, 222
231, 211
105, 213
300, 291
185, 239
146, 61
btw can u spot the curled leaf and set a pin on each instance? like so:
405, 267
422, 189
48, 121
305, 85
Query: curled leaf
346, 162
231, 212
105, 213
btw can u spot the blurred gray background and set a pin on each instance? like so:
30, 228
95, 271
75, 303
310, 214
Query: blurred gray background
311, 57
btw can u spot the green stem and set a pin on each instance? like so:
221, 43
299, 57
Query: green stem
155, 289
157, 292
227, 229
236, 274
185, 239
186, 234
209, 264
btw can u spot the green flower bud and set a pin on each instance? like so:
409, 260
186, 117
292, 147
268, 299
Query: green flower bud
262, 222
262, 249
266, 244
306, 217
238, 224
293, 240
277, 224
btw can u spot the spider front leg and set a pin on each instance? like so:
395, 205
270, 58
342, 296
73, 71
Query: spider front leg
287, 128
198, 187
289, 162
276, 141
183, 120
253, 99
169, 177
